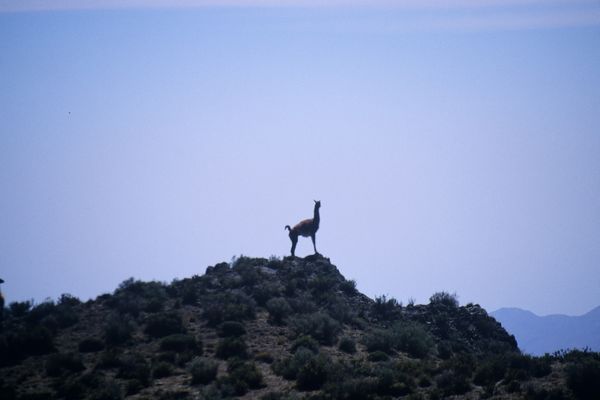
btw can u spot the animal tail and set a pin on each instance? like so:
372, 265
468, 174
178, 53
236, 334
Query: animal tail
288, 228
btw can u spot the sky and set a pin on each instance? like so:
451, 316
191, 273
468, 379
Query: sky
454, 145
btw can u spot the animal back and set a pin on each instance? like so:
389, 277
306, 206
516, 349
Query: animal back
305, 228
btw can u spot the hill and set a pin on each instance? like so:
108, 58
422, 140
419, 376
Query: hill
272, 329
539, 335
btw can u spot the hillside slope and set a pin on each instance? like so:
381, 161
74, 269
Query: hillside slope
272, 329
539, 335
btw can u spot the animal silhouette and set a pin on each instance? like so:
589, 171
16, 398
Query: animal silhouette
306, 228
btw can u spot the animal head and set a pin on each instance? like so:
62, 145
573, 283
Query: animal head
1, 280
317, 203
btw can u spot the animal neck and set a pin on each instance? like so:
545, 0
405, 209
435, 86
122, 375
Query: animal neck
316, 217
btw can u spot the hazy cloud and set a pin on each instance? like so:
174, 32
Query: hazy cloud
412, 14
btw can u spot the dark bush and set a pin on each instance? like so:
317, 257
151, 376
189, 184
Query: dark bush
490, 370
109, 359
19, 309
164, 324
266, 291
313, 374
319, 325
203, 370
583, 378
243, 376
289, 367
413, 339
264, 357
135, 367
347, 345
231, 329
279, 309
229, 307
232, 347
393, 381
110, 390
18, 343
349, 287
303, 304
380, 340
60, 363
117, 331
358, 388
181, 343
91, 345
378, 356
39, 340
306, 342
385, 309
161, 370
452, 384
69, 300
39, 312
444, 298
189, 295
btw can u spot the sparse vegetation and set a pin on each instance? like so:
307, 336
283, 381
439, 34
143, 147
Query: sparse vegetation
225, 333
203, 370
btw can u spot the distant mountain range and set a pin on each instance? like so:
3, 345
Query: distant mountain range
538, 335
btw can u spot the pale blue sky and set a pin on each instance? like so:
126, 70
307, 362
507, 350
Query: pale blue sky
453, 148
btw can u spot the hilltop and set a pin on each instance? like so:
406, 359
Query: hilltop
272, 329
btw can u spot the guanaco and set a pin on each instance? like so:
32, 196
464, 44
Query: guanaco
306, 228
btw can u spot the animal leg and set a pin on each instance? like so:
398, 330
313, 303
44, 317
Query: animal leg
314, 239
294, 242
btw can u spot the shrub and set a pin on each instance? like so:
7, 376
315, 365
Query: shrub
289, 367
164, 324
490, 371
109, 359
19, 309
39, 312
69, 300
232, 347
349, 287
189, 295
319, 325
380, 340
386, 309
243, 376
347, 345
360, 388
278, 309
231, 329
583, 378
313, 374
229, 307
110, 390
135, 367
378, 356
91, 345
203, 370
306, 342
265, 291
38, 341
161, 370
444, 298
264, 357
413, 339
59, 363
452, 383
181, 343
117, 331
